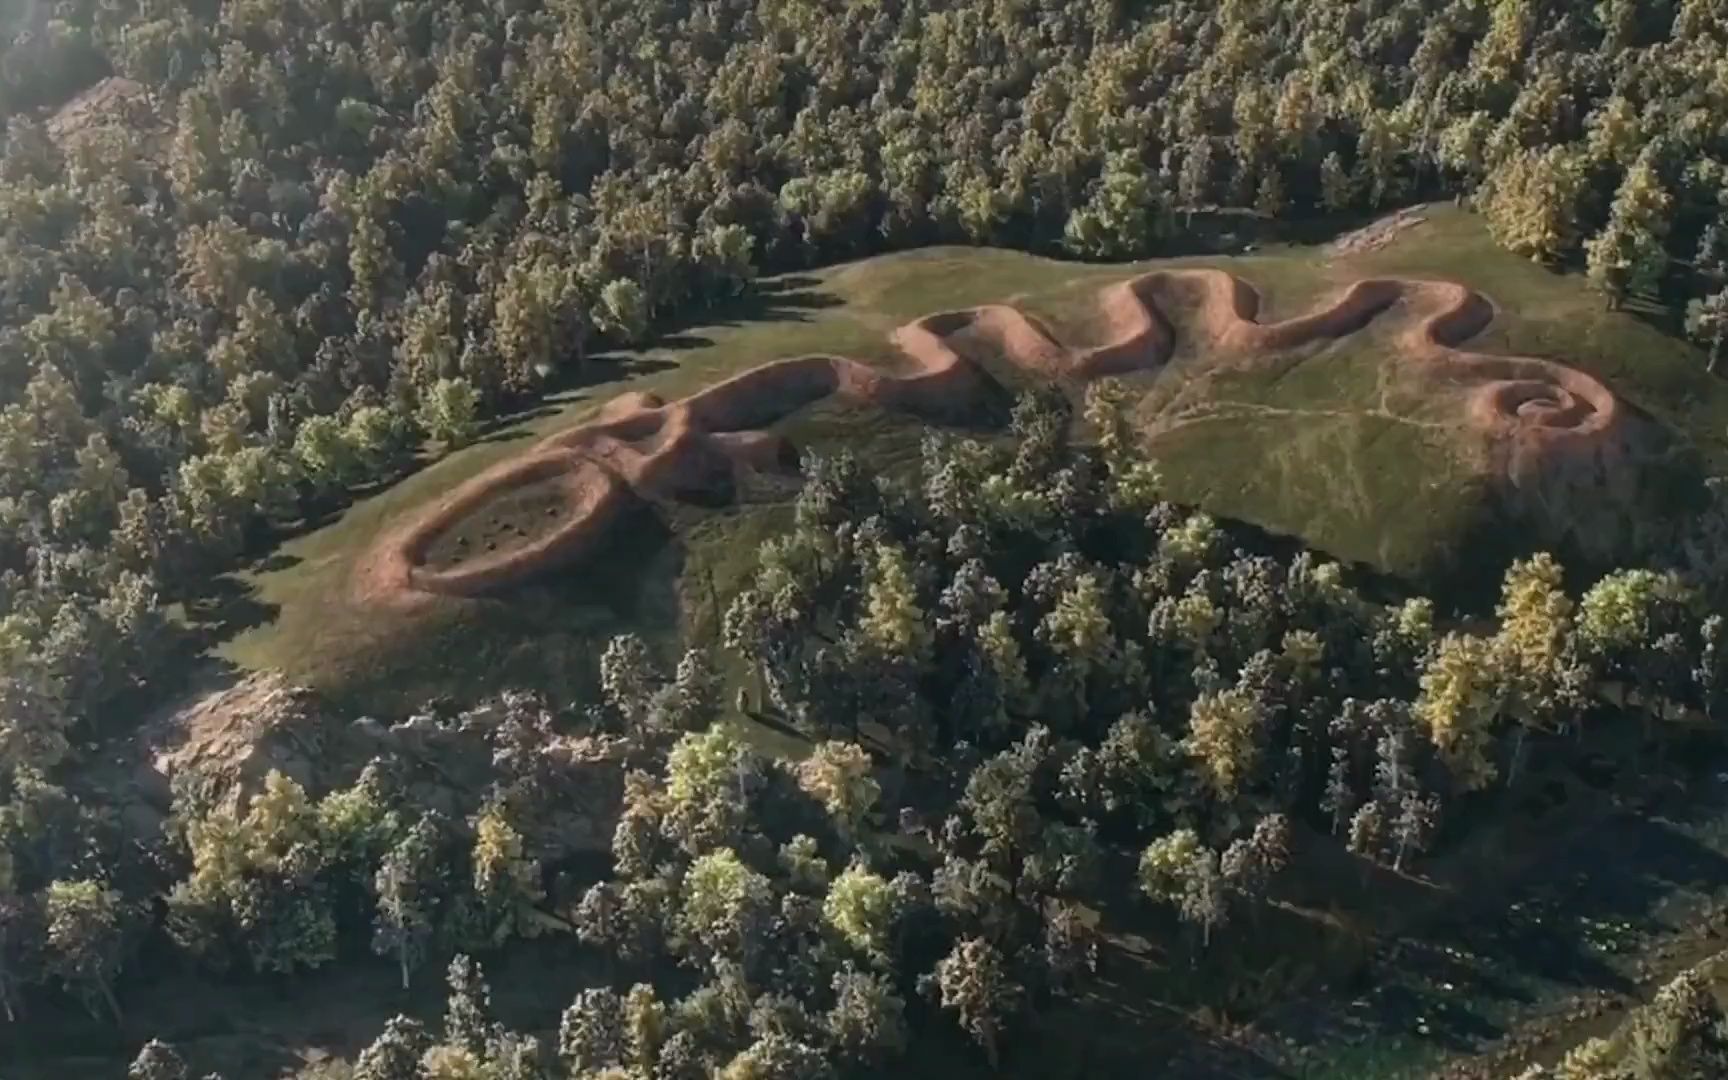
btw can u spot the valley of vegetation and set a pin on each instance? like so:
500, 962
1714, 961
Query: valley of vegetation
1105, 699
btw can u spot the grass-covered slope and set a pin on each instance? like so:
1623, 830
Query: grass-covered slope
1312, 444
1325, 445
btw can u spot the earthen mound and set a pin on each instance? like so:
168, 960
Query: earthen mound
1540, 419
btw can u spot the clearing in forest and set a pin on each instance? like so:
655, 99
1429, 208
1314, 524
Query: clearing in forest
1395, 406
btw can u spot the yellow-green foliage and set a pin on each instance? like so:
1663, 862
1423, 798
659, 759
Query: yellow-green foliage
896, 624
859, 906
838, 775
1462, 693
1223, 738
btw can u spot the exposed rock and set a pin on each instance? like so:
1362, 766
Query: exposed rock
112, 101
235, 737
564, 791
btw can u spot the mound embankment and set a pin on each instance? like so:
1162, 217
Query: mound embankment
1540, 418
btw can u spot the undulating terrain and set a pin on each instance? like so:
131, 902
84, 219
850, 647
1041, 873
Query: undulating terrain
1335, 441
827, 539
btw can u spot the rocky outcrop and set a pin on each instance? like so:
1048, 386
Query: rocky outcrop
565, 790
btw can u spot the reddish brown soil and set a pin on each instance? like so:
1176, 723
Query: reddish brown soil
1538, 415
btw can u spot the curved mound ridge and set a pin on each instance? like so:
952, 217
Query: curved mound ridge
1536, 412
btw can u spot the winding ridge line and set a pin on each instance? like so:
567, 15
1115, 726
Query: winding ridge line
1537, 412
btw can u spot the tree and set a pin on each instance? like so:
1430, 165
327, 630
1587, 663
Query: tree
256, 882
777, 1057
1462, 691
1531, 203
1711, 674
372, 265
1368, 831
624, 311
894, 623
999, 798
449, 411
1194, 182
975, 982
409, 885
726, 907
1624, 260
467, 1005
1627, 256
1711, 259
591, 1035
838, 775
1339, 798
1413, 826
867, 1022
1121, 216
506, 881
1269, 199
396, 1053
325, 456
84, 930
1070, 944
859, 907
377, 437
1250, 863
710, 778
1178, 870
531, 318
1707, 324
1204, 900
1337, 190
1224, 735
1533, 645
157, 1060
692, 702
628, 678
644, 1027
1078, 631
727, 252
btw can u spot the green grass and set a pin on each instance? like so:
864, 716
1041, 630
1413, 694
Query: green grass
1311, 446
545, 634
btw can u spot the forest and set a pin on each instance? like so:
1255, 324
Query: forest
1154, 714
290, 251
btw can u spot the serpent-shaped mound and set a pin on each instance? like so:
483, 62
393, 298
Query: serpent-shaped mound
1542, 419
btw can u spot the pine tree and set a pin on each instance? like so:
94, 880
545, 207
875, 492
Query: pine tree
1368, 831
1413, 826
591, 1034
1339, 799
975, 981
1627, 257
1337, 191
157, 1061
1269, 198
409, 885
1707, 324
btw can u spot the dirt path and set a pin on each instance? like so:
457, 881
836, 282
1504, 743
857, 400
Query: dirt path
1539, 415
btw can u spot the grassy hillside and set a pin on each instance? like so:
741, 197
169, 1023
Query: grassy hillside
1308, 446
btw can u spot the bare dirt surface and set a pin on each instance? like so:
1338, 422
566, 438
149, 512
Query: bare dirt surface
1543, 420
1375, 236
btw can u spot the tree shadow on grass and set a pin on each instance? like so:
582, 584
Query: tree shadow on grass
786, 299
226, 606
680, 342
599, 369
1458, 984
276, 562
